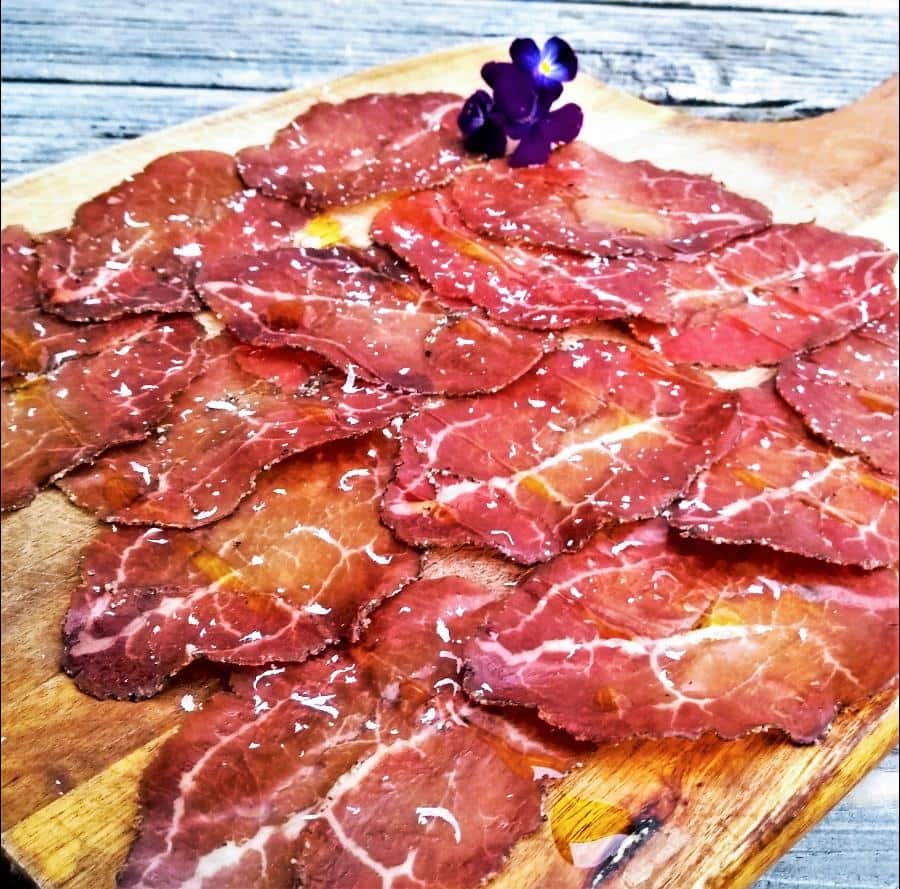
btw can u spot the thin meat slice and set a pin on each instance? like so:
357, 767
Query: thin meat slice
599, 433
352, 769
531, 287
847, 392
224, 801
405, 816
585, 200
296, 567
338, 154
33, 341
414, 640
251, 408
54, 422
368, 313
643, 633
136, 247
761, 299
779, 487
440, 804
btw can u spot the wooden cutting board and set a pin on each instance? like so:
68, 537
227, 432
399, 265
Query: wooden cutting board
706, 813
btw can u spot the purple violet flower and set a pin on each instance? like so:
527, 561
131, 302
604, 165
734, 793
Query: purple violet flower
515, 97
524, 91
549, 67
558, 127
482, 131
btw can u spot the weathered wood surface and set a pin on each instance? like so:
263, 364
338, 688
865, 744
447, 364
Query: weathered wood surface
71, 764
141, 66
854, 846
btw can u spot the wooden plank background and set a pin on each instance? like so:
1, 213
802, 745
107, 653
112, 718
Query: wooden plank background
75, 81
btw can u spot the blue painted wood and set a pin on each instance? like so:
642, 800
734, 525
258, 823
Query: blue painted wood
141, 65
78, 78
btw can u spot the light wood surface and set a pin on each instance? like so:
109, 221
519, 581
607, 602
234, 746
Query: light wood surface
717, 813
75, 83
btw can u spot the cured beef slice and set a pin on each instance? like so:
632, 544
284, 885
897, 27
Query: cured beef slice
585, 200
32, 340
352, 769
532, 287
761, 299
644, 633
295, 567
599, 433
779, 487
136, 247
337, 154
440, 805
251, 408
225, 800
847, 392
56, 421
366, 313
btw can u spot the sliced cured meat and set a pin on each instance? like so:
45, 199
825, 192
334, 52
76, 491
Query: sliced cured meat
781, 488
410, 815
32, 340
19, 265
295, 567
343, 153
600, 433
847, 392
643, 633
135, 248
415, 639
226, 798
365, 311
761, 299
515, 283
250, 409
352, 769
585, 200
54, 422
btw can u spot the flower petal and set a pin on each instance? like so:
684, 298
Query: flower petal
532, 150
525, 53
560, 126
489, 140
564, 124
491, 70
558, 60
474, 112
548, 93
515, 98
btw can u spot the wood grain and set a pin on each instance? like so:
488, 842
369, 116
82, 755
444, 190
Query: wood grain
142, 66
715, 813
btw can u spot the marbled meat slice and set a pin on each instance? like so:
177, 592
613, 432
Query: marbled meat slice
600, 433
355, 768
251, 408
136, 247
225, 799
585, 200
847, 392
761, 299
296, 566
32, 340
779, 487
438, 804
644, 633
337, 154
368, 313
527, 286
54, 422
